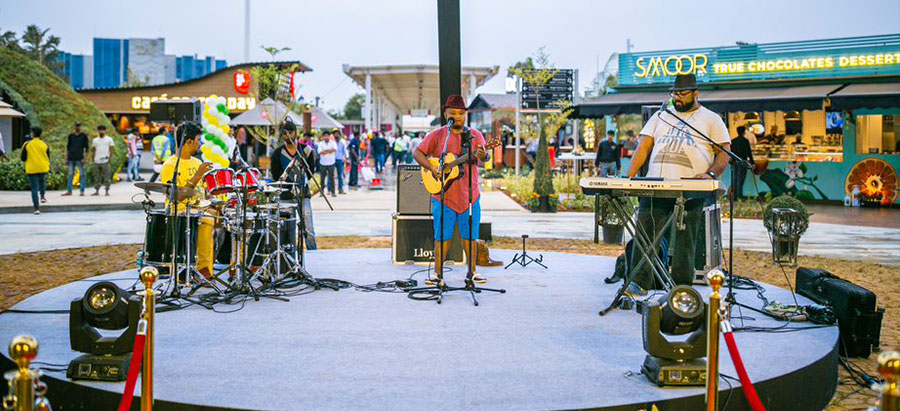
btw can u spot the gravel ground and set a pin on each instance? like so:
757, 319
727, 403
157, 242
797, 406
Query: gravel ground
26, 274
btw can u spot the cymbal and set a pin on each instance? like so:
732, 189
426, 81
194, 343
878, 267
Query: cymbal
282, 184
164, 189
273, 206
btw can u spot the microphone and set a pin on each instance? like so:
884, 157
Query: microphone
663, 108
450, 122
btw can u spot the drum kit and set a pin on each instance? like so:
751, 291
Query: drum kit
258, 238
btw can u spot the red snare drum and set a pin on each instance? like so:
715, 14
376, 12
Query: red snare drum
232, 202
249, 176
219, 181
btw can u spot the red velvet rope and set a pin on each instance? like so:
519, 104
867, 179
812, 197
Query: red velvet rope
133, 370
749, 390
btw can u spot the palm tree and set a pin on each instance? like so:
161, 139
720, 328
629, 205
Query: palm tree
9, 40
41, 47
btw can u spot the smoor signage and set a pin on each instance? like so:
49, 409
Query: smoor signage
670, 66
812, 63
233, 103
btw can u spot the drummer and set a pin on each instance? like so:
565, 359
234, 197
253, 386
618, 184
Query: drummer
190, 174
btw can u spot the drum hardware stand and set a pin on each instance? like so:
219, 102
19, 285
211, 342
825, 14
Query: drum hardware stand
646, 247
470, 286
300, 166
524, 259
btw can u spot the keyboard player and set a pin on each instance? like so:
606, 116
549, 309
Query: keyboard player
675, 151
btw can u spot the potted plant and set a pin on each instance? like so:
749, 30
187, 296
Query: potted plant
543, 204
785, 232
613, 225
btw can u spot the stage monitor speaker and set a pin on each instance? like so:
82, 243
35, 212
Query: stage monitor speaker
412, 241
412, 197
859, 320
176, 111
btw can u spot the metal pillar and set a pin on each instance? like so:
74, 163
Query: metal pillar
449, 49
246, 31
518, 115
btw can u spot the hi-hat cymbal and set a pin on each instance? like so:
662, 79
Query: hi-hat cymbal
164, 189
282, 184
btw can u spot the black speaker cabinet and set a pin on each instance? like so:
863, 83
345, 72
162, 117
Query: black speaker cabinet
176, 111
859, 320
412, 198
412, 241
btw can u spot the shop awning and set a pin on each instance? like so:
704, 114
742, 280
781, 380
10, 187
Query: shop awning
722, 101
883, 95
618, 103
767, 99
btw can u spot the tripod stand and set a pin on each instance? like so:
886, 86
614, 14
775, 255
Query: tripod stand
524, 259
441, 287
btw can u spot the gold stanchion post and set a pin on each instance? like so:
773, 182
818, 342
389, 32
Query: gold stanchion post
22, 350
148, 277
715, 278
889, 368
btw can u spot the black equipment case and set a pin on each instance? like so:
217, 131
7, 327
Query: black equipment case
859, 320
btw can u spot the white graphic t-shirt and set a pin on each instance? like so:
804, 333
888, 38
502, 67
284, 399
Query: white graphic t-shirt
678, 151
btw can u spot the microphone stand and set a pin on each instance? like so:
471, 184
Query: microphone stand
735, 161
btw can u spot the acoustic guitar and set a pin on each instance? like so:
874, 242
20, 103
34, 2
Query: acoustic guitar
452, 168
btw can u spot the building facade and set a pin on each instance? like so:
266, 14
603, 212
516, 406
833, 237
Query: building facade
144, 60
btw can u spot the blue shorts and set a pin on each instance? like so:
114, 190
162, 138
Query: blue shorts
452, 219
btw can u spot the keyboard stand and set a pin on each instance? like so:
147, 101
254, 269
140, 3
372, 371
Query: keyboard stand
647, 248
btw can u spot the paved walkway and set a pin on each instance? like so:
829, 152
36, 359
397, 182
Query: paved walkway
80, 221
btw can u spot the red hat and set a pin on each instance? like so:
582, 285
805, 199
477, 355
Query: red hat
454, 101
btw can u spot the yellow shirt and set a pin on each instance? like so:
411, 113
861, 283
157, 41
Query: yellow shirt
37, 157
186, 170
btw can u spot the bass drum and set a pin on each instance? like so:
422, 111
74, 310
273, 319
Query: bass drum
158, 238
256, 241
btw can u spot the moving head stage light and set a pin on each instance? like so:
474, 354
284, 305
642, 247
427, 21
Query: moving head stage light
104, 306
679, 361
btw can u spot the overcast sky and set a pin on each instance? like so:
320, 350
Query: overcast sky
326, 34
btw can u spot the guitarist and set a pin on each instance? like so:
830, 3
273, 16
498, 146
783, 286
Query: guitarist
456, 202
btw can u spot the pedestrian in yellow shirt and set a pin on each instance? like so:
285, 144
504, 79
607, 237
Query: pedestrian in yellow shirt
36, 156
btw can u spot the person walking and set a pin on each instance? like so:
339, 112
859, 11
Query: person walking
608, 160
102, 149
131, 172
379, 150
36, 156
76, 146
327, 150
741, 148
339, 157
398, 148
353, 153
161, 147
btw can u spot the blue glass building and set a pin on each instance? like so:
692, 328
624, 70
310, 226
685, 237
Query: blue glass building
110, 62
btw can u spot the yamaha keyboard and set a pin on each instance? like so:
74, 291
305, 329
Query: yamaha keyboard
650, 187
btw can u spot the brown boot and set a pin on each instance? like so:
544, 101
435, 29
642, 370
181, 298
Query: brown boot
484, 255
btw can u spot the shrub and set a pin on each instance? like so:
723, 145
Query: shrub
786, 201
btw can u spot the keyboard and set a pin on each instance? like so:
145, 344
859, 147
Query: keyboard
650, 187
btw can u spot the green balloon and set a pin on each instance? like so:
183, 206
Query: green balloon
222, 109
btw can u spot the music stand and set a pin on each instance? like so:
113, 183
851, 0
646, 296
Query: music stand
524, 259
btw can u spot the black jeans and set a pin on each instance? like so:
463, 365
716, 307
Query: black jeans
329, 172
652, 214
740, 174
354, 173
38, 183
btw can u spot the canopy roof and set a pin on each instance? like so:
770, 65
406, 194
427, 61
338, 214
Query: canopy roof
415, 87
6, 110
881, 95
267, 113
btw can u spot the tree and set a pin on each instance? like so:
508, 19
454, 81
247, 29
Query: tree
273, 51
353, 107
10, 41
42, 48
537, 72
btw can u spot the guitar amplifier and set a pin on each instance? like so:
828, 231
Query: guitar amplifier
708, 252
859, 320
412, 241
412, 197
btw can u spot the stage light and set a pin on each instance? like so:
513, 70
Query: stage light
104, 306
679, 361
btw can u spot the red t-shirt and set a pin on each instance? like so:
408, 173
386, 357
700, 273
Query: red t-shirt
457, 194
